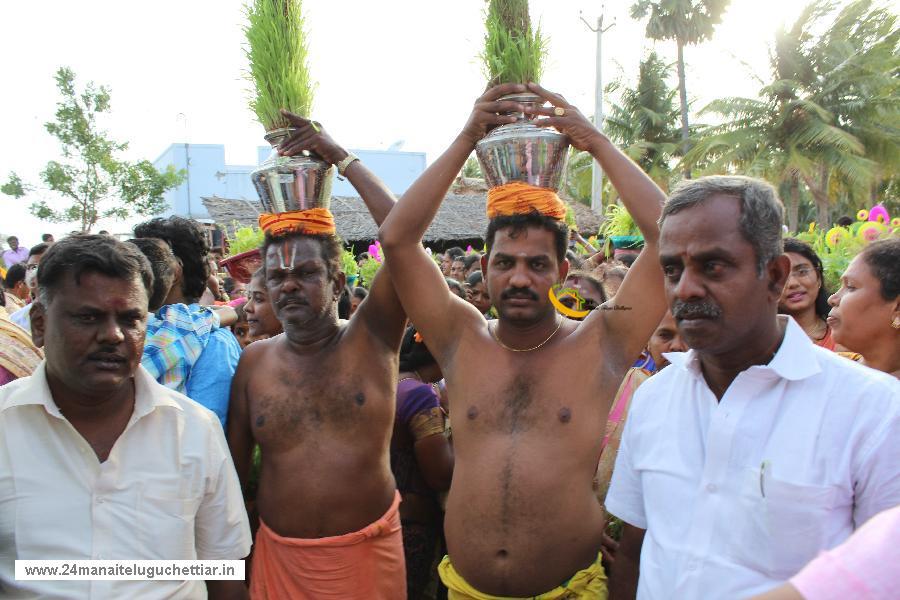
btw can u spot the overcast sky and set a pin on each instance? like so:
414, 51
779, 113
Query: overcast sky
387, 71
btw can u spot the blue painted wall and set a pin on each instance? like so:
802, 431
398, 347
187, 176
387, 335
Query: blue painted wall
208, 175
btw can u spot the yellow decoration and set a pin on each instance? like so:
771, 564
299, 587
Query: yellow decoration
862, 215
870, 231
812, 227
895, 222
835, 235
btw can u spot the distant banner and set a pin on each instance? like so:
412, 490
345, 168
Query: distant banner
182, 570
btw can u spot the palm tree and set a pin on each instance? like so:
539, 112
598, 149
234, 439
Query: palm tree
645, 120
829, 118
685, 22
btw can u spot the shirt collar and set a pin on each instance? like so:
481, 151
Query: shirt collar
794, 360
36, 390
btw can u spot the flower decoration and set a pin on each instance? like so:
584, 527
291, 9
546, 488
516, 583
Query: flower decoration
835, 235
879, 214
895, 223
812, 227
375, 251
862, 215
870, 231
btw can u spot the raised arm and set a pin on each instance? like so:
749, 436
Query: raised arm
437, 313
640, 302
381, 312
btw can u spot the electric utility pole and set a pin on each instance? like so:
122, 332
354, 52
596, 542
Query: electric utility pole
597, 173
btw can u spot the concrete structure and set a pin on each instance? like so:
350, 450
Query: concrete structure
209, 177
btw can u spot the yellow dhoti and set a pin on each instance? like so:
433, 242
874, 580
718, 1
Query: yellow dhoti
589, 583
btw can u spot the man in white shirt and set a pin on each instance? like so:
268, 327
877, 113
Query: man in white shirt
97, 460
22, 317
756, 449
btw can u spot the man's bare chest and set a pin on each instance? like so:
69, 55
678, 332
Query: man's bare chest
290, 404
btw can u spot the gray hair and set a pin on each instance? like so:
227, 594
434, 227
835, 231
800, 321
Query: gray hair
762, 214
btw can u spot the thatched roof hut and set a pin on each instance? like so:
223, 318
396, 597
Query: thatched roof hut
460, 221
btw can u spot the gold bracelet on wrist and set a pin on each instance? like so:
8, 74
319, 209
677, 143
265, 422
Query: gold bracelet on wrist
348, 160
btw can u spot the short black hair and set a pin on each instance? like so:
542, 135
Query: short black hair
518, 224
471, 260
455, 251
14, 275
627, 259
330, 244
360, 292
414, 355
845, 221
85, 253
46, 237
805, 250
344, 305
475, 277
160, 256
12, 237
883, 258
189, 243
38, 249
456, 287
593, 280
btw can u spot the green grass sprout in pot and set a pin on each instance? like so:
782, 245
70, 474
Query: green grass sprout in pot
514, 51
245, 239
278, 52
348, 263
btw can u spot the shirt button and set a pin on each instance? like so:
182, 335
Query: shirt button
711, 488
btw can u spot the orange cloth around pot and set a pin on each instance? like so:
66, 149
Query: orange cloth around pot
518, 198
314, 221
364, 565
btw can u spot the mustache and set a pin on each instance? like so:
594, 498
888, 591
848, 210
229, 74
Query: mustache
291, 300
694, 310
526, 293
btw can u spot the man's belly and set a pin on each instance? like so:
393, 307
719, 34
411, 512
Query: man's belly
315, 496
522, 524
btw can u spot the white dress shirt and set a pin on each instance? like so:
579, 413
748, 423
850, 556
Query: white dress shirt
737, 496
168, 490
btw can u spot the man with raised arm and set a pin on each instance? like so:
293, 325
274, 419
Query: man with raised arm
319, 401
522, 519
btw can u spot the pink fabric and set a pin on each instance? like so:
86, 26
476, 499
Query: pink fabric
865, 567
6, 376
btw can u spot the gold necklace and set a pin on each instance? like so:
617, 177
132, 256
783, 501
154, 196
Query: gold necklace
497, 339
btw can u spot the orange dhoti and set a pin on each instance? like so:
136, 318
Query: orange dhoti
365, 565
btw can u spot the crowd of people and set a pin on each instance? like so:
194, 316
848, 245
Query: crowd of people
701, 418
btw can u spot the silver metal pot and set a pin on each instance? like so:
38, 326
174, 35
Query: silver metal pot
523, 152
289, 183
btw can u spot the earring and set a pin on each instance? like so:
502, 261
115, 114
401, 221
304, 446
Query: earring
896, 323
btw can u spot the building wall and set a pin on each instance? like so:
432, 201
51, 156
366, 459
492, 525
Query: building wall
208, 175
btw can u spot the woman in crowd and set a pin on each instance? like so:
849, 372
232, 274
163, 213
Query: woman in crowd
805, 297
865, 313
422, 463
480, 298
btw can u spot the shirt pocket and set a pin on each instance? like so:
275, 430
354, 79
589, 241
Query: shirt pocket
167, 526
780, 525
797, 517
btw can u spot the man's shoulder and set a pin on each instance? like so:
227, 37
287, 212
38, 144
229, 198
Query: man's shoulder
11, 391
192, 411
848, 382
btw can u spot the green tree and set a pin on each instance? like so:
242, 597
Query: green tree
645, 120
826, 126
685, 22
90, 177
